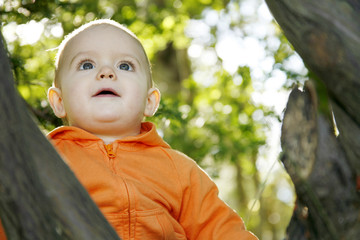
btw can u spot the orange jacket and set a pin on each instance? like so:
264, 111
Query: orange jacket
2, 233
146, 190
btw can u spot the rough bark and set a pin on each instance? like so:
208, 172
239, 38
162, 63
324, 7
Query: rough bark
323, 167
327, 204
40, 198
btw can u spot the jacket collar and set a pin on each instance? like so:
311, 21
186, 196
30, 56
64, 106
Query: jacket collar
148, 136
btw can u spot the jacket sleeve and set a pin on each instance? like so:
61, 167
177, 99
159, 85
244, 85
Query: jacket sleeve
203, 214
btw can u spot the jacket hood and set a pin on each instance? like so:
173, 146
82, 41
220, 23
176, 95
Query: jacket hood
148, 136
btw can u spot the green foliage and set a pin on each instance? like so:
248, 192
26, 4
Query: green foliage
217, 122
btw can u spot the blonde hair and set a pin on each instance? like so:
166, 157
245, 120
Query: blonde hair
88, 25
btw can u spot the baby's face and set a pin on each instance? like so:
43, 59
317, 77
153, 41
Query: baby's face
103, 77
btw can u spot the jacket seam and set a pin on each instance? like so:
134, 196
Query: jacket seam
177, 175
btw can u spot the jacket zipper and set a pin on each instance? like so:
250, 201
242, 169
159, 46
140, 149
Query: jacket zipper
111, 155
110, 150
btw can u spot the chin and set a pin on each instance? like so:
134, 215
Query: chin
107, 117
107, 120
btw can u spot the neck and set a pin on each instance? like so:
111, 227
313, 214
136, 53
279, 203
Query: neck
107, 139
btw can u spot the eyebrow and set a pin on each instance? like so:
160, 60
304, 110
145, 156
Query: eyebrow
79, 54
91, 53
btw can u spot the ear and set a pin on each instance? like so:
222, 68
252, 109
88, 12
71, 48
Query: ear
56, 102
152, 103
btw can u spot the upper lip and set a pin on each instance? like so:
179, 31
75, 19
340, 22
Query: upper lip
106, 91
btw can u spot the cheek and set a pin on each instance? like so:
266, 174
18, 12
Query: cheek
142, 96
136, 88
73, 100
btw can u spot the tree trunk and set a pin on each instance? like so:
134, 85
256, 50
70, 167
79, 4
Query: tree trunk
323, 167
40, 198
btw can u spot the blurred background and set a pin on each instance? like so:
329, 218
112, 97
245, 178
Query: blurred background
224, 69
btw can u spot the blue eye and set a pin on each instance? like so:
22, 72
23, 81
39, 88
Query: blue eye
125, 67
86, 66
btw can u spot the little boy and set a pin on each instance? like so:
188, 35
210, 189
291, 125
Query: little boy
103, 89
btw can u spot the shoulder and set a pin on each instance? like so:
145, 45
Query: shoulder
187, 169
180, 159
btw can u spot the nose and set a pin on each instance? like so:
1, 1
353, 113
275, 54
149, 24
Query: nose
106, 72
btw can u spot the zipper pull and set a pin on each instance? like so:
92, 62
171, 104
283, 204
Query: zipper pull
109, 150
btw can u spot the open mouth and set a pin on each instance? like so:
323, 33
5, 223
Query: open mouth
106, 92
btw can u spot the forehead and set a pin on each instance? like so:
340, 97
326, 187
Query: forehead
105, 39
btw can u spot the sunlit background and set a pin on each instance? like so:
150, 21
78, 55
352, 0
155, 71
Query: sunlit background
224, 69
